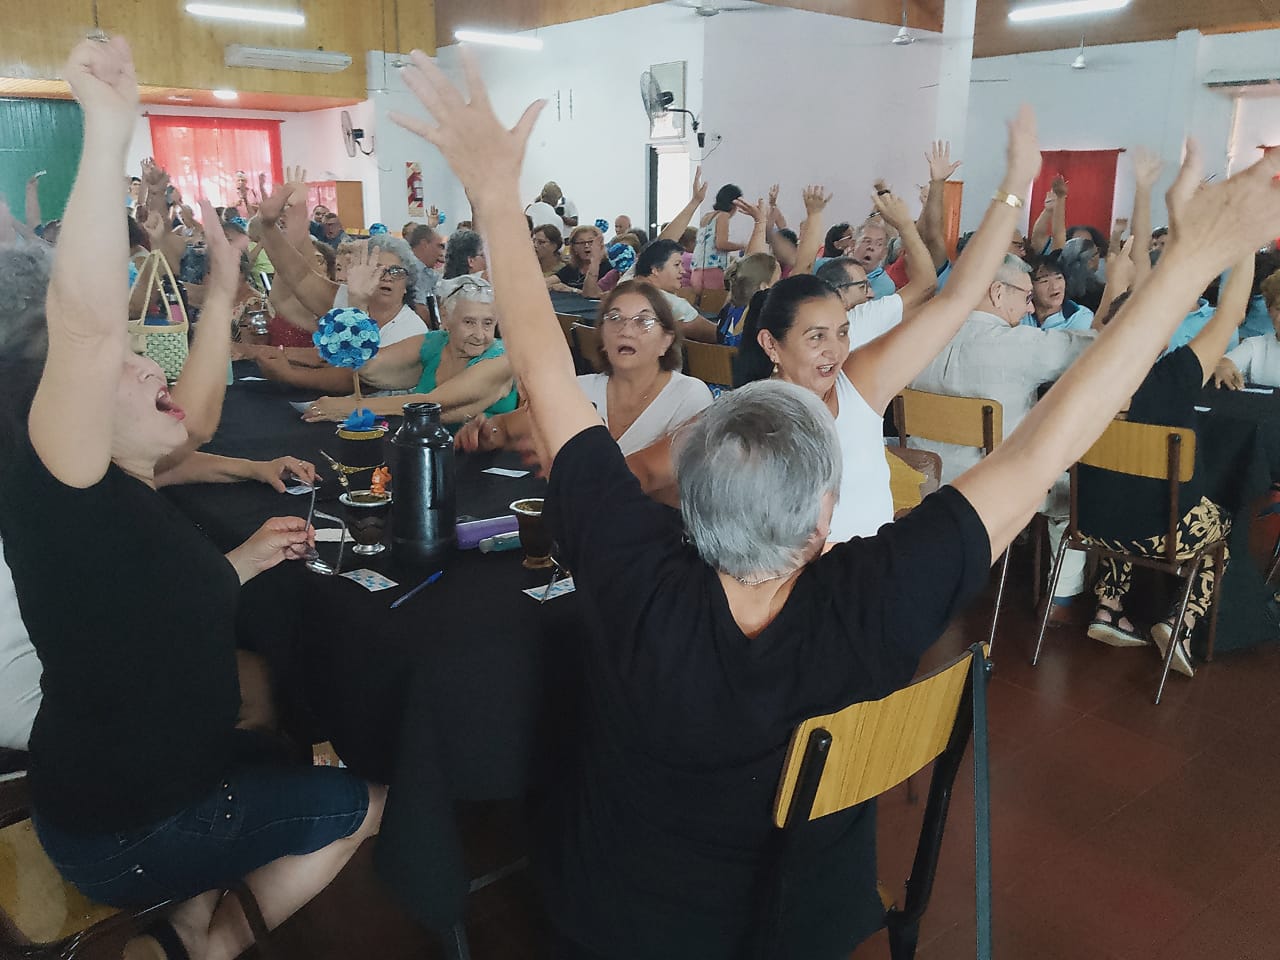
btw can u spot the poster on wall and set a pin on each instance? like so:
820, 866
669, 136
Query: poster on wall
413, 184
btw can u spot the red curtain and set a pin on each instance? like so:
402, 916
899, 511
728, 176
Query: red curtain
203, 155
1091, 185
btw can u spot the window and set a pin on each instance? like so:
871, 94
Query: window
204, 154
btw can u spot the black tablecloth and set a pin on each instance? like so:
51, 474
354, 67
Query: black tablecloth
442, 698
575, 305
1239, 446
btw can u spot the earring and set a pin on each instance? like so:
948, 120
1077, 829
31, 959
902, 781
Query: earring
775, 368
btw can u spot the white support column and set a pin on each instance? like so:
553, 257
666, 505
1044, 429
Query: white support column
955, 69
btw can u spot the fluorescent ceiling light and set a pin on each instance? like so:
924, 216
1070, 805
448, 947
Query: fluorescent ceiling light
1069, 8
219, 11
498, 39
226, 94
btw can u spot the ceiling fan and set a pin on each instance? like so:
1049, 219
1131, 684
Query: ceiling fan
710, 8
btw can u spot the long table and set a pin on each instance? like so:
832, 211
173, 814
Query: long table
444, 699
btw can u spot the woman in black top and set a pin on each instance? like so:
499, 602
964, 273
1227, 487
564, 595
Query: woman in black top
705, 655
143, 790
1132, 513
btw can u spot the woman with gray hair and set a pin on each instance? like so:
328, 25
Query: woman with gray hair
715, 631
462, 366
464, 254
1079, 263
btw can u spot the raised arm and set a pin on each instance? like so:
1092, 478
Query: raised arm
810, 240
487, 158
1146, 168
1120, 274
472, 391
33, 200
203, 384
941, 169
759, 214
313, 291
73, 415
1042, 229
1217, 225
776, 220
922, 276
882, 368
1211, 342
1059, 212
676, 228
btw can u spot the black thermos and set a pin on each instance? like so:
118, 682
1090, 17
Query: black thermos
422, 477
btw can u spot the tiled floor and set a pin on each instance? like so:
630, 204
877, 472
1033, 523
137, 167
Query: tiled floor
1121, 830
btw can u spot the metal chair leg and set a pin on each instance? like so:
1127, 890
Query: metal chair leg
1037, 544
1275, 562
1048, 600
995, 615
903, 938
1179, 628
1219, 571
456, 946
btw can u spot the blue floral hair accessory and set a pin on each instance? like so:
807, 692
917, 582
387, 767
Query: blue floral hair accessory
622, 256
240, 222
347, 337
377, 229
602, 225
440, 218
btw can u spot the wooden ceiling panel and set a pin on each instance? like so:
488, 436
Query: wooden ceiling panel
180, 97
1142, 20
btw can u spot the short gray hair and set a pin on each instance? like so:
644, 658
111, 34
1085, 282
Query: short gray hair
24, 284
836, 270
398, 247
469, 286
1010, 269
752, 470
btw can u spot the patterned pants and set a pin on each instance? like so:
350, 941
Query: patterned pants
1203, 523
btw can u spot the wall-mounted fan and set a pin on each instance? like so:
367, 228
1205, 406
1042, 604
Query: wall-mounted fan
657, 102
353, 137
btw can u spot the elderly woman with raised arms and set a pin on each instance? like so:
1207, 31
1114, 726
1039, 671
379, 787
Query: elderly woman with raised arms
711, 638
135, 751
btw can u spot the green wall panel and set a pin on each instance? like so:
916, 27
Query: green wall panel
40, 135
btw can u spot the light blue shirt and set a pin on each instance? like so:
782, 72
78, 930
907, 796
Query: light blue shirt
881, 283
1257, 321
1196, 321
1072, 316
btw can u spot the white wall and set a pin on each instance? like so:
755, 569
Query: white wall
1135, 94
804, 98
313, 141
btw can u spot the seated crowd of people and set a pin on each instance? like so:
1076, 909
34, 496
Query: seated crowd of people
780, 587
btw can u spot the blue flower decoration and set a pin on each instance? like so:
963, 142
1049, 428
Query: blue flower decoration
622, 256
360, 420
602, 225
439, 218
377, 229
240, 222
346, 337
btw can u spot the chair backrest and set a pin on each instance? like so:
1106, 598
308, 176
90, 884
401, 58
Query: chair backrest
913, 475
712, 301
872, 746
709, 362
567, 322
588, 341
1145, 450
964, 421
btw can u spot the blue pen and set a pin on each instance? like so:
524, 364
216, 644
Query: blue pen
425, 583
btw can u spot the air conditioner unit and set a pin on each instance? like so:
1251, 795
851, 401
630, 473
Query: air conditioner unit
1226, 80
285, 58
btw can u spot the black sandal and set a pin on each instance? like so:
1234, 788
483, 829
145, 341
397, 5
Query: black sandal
163, 933
1110, 632
253, 914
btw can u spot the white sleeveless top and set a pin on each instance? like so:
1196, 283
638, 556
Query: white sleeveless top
866, 503
705, 254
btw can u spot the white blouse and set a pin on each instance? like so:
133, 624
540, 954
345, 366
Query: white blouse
682, 399
1259, 360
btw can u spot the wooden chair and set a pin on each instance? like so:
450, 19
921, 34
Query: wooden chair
567, 322
913, 475
42, 917
846, 758
712, 301
1156, 453
709, 362
587, 340
964, 421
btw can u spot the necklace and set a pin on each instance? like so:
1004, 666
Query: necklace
755, 583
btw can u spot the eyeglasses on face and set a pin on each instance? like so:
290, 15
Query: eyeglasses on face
470, 283
395, 273
643, 321
1024, 291
864, 284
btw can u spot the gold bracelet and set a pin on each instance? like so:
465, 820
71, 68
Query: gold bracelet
1012, 199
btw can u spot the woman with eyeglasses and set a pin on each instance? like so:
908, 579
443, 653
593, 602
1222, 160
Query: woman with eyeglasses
462, 367
379, 281
587, 267
641, 395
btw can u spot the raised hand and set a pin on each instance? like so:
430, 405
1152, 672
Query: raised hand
1147, 167
363, 276
1059, 187
272, 207
1224, 221
433, 217
815, 198
753, 210
773, 196
699, 185
102, 78
1022, 157
939, 160
1121, 269
224, 260
893, 209
262, 186
482, 153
